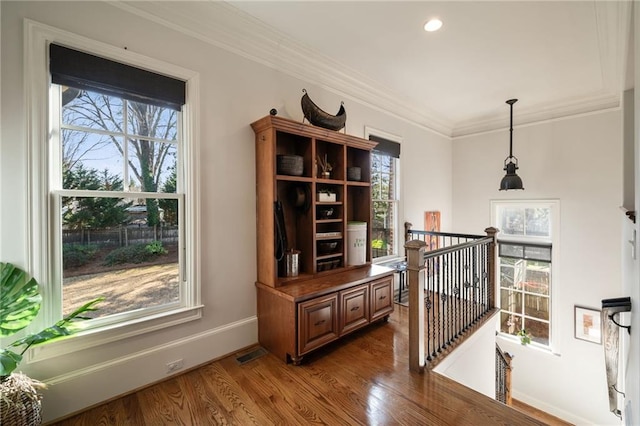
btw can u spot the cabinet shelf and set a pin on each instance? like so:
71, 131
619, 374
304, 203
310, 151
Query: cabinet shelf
357, 183
329, 256
305, 219
338, 237
329, 221
330, 181
294, 178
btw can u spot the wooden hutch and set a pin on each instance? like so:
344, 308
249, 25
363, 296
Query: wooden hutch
328, 298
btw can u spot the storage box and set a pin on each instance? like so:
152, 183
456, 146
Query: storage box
357, 240
325, 197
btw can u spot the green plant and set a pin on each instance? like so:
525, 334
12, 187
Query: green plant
20, 302
525, 336
74, 255
155, 247
136, 253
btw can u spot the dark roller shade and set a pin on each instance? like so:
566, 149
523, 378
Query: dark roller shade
386, 146
83, 71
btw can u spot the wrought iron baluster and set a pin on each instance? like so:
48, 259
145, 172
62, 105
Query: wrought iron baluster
484, 279
427, 306
447, 286
467, 286
455, 297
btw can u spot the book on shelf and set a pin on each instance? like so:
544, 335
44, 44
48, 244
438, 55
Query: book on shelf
329, 234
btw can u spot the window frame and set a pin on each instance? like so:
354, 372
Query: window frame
397, 242
554, 242
41, 241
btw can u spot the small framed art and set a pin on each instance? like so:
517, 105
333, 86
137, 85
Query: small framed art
588, 325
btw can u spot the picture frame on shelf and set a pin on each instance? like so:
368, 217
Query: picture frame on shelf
588, 324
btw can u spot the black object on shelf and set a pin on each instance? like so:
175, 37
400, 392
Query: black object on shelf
614, 306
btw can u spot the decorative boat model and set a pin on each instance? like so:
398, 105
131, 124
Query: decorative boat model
320, 118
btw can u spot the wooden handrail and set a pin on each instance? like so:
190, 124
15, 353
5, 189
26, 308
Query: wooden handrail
456, 286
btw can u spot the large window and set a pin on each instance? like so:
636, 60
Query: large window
116, 189
525, 257
385, 159
113, 210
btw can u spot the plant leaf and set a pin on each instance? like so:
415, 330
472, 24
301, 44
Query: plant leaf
65, 327
8, 361
20, 299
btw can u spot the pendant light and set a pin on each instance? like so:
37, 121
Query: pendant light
511, 180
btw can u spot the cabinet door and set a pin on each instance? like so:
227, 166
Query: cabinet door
317, 322
381, 297
354, 308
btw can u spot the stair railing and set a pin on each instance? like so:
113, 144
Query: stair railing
451, 280
503, 376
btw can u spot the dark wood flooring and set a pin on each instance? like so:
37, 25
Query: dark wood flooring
362, 380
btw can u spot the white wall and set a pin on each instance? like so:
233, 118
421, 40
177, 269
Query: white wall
473, 363
235, 91
579, 162
631, 266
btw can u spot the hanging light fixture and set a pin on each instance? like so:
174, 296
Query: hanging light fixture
511, 180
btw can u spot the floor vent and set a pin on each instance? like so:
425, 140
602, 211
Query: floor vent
257, 353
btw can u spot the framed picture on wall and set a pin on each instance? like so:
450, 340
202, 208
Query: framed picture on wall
588, 325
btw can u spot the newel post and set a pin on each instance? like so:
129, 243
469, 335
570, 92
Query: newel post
415, 277
491, 265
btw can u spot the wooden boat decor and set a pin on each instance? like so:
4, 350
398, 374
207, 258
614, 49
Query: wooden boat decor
320, 118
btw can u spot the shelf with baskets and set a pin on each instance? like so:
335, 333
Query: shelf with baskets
321, 179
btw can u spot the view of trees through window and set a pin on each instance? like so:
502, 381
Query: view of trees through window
384, 201
119, 202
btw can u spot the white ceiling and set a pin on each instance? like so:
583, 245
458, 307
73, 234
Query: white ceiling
557, 58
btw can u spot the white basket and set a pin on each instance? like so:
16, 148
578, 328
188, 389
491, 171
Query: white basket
324, 197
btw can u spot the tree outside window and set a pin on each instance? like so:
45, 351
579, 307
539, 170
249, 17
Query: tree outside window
118, 241
384, 200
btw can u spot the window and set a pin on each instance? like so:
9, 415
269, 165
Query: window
385, 160
118, 240
525, 261
111, 196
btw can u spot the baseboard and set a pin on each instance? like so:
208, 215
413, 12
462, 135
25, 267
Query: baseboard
550, 409
84, 388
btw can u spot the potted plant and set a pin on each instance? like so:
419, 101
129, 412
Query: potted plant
325, 166
20, 302
525, 336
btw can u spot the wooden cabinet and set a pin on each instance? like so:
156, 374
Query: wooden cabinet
318, 322
316, 209
329, 296
381, 298
354, 308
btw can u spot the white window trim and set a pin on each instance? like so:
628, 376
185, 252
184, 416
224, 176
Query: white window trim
555, 317
39, 245
398, 243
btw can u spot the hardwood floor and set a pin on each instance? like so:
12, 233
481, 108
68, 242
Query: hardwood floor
537, 414
362, 380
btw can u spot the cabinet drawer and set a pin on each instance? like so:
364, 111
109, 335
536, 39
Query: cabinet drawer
317, 322
354, 308
381, 298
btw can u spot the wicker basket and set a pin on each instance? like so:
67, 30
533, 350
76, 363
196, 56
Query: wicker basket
290, 165
20, 404
354, 173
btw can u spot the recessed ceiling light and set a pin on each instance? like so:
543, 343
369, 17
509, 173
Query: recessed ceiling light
433, 25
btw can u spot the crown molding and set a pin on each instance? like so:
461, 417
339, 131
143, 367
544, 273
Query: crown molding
229, 28
524, 116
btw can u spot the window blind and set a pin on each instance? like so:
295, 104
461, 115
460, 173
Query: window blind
386, 146
81, 70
